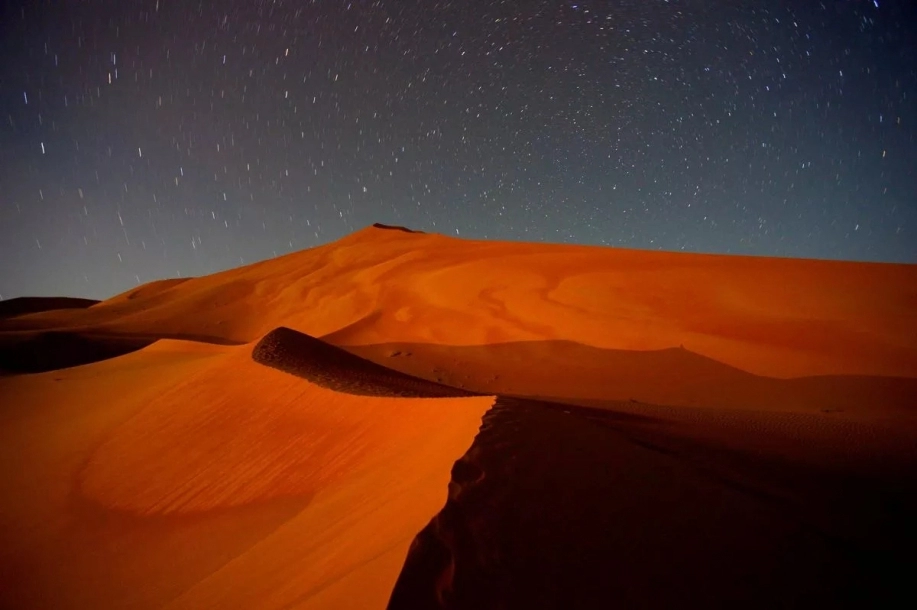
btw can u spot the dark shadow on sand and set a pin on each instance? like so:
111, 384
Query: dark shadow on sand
331, 367
555, 508
42, 351
52, 350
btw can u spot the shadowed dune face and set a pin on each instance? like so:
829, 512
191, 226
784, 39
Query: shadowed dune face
28, 305
51, 350
42, 351
559, 507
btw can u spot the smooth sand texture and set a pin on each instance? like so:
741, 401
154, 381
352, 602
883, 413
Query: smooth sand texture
189, 476
742, 405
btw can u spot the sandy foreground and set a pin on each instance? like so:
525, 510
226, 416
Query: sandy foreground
189, 476
669, 430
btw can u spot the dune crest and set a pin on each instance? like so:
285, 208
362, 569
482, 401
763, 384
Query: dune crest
766, 316
332, 367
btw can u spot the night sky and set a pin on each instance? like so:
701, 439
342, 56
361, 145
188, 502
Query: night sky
161, 138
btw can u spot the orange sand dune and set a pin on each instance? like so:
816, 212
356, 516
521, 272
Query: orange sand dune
189, 476
720, 431
768, 316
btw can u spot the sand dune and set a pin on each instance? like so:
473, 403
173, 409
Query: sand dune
772, 317
671, 429
28, 305
191, 470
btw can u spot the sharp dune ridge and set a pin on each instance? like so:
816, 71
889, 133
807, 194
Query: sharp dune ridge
336, 369
411, 420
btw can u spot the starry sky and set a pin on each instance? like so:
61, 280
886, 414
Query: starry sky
144, 139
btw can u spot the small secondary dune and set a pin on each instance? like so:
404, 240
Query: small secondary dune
334, 368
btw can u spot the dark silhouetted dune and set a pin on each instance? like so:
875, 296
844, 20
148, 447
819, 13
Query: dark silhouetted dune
27, 305
379, 225
51, 350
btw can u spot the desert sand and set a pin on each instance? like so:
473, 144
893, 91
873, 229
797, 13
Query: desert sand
410, 420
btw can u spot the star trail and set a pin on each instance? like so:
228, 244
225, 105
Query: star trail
160, 138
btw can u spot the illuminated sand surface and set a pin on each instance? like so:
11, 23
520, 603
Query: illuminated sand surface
188, 476
719, 431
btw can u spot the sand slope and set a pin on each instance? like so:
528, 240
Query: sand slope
193, 477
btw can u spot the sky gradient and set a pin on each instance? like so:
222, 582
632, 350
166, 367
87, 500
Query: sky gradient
157, 138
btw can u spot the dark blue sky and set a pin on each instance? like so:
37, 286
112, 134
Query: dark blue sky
147, 139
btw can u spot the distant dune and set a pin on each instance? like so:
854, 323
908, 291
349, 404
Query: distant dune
411, 420
25, 352
26, 305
